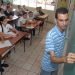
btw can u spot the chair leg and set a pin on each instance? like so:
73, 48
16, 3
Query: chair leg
31, 39
14, 50
1, 73
1, 69
24, 45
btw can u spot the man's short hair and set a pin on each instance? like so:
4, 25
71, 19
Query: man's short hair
24, 13
60, 10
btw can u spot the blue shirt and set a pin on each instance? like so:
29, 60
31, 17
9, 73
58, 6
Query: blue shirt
54, 42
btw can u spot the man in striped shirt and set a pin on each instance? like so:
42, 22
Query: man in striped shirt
54, 45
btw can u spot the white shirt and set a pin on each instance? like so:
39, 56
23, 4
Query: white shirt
1, 14
6, 28
35, 14
21, 20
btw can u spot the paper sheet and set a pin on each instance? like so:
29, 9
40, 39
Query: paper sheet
30, 27
11, 33
5, 43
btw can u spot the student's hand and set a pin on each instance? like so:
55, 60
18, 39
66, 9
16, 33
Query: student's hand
71, 58
17, 33
7, 36
14, 35
30, 21
2, 38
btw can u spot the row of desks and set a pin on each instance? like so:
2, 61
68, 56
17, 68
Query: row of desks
19, 37
14, 41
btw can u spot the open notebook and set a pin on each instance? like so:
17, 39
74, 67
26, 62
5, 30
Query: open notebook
5, 43
30, 27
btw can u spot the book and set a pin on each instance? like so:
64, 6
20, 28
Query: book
5, 43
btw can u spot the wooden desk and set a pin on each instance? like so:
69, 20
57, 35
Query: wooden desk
43, 17
31, 28
14, 41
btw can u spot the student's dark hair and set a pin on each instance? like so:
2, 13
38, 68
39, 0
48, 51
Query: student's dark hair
2, 18
60, 10
0, 9
24, 13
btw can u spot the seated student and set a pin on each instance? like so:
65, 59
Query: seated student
24, 8
30, 15
36, 13
1, 12
40, 11
3, 6
19, 11
6, 28
21, 24
9, 12
22, 21
6, 32
30, 18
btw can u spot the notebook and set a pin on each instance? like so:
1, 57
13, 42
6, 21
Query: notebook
5, 43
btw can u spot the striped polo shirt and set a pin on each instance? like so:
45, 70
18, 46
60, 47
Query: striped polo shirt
54, 42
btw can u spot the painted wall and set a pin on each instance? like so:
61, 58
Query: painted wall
62, 3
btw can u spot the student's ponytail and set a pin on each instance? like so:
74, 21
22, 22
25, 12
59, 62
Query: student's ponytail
1, 19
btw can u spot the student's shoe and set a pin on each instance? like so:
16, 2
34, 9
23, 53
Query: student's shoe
4, 65
1, 69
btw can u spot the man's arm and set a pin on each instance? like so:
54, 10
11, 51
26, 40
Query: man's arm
70, 58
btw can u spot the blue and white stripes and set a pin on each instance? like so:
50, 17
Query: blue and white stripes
54, 42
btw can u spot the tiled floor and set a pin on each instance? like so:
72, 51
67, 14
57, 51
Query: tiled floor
28, 62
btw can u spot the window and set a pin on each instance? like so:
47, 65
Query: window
20, 2
49, 5
32, 3
45, 4
40, 3
16, 2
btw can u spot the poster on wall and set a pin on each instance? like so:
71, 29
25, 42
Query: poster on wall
62, 3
